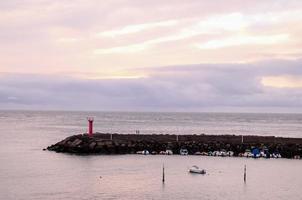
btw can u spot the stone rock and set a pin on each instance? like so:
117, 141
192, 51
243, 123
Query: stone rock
122, 144
92, 145
75, 143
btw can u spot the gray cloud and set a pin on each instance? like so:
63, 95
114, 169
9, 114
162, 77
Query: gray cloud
185, 88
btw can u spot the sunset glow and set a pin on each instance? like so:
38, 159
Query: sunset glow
282, 81
137, 44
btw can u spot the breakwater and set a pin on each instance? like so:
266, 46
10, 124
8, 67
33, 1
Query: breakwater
105, 143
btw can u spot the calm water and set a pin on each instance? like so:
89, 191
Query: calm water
27, 172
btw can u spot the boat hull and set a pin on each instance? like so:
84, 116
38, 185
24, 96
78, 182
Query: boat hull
194, 171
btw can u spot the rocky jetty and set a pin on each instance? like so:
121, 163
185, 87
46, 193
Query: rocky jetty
104, 143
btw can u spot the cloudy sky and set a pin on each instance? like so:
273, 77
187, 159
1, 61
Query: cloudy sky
143, 55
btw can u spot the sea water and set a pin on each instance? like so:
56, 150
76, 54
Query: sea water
27, 172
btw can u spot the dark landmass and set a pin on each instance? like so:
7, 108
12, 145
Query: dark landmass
104, 143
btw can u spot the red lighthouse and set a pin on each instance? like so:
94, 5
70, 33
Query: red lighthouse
90, 125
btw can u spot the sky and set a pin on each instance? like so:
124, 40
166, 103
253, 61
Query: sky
141, 55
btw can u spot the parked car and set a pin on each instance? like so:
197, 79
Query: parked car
183, 152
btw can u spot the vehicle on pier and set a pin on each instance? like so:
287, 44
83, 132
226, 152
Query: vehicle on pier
256, 152
183, 152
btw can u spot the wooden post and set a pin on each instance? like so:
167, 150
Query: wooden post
163, 174
244, 177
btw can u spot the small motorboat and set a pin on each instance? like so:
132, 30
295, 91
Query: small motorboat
194, 169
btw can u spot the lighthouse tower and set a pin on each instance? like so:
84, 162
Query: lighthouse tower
90, 125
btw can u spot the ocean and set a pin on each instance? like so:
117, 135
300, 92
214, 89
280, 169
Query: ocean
27, 172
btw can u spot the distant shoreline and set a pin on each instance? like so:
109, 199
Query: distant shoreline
156, 111
106, 143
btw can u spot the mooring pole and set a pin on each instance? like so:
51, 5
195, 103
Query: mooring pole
163, 173
244, 177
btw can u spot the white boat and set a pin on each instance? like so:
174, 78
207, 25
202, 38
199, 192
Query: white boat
205, 154
262, 154
276, 155
169, 152
230, 153
223, 153
162, 152
216, 153
139, 152
194, 169
248, 153
144, 152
